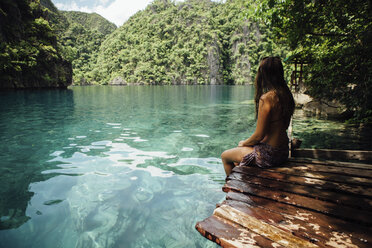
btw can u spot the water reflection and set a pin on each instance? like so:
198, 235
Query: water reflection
29, 121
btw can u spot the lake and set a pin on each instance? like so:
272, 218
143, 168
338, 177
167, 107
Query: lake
133, 166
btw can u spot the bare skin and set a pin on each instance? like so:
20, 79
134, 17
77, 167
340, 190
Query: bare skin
271, 129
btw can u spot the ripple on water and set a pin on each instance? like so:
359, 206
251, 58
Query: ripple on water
113, 124
57, 153
202, 135
187, 149
102, 143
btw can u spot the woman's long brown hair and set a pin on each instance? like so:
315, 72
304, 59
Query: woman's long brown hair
270, 76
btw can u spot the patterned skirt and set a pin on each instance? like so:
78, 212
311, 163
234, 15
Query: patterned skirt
264, 156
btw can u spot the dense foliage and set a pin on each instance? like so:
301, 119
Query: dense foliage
190, 42
79, 38
29, 55
335, 38
81, 41
90, 21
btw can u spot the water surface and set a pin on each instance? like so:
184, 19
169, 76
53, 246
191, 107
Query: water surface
125, 166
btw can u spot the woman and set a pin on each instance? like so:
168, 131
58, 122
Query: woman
268, 145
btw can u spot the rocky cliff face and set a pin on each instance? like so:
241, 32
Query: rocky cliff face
241, 65
29, 56
214, 64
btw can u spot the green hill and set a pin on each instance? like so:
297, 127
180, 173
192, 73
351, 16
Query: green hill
81, 40
191, 42
90, 21
79, 37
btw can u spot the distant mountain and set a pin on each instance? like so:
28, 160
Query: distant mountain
90, 21
29, 54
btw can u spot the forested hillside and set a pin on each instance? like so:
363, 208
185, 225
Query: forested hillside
29, 55
190, 42
81, 40
90, 21
79, 37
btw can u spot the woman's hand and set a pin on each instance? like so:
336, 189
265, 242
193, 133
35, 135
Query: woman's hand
241, 143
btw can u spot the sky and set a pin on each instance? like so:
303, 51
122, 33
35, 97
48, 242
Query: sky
116, 11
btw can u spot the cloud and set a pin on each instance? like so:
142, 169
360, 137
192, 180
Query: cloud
117, 11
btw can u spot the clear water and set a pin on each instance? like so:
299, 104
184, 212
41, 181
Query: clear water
124, 166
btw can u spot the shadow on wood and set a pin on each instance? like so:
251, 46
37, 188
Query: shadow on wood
329, 154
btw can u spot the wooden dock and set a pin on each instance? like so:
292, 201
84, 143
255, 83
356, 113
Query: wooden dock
304, 203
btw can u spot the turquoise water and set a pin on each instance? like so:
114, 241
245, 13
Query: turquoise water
124, 166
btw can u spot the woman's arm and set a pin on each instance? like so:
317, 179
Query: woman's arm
263, 118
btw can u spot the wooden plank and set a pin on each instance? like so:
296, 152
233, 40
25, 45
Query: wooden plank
323, 175
315, 227
307, 230
269, 231
298, 228
330, 163
317, 192
307, 203
295, 227
353, 172
323, 220
303, 180
229, 234
332, 154
343, 212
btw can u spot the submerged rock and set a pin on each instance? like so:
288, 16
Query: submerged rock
325, 109
301, 99
318, 107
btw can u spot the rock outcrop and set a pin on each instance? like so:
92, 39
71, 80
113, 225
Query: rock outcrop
118, 81
213, 60
319, 107
325, 109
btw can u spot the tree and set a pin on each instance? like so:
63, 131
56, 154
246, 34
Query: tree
335, 35
29, 55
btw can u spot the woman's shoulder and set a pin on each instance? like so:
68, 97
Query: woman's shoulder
270, 96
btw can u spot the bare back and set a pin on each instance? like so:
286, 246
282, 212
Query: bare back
277, 125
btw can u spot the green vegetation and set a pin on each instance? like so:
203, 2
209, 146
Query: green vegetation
90, 22
42, 47
191, 42
335, 37
29, 55
79, 38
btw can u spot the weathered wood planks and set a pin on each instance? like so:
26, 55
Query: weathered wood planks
306, 203
332, 154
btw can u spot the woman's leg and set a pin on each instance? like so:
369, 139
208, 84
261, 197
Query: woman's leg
234, 155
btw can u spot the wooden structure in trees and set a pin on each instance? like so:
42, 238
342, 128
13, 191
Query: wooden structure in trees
305, 203
297, 75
